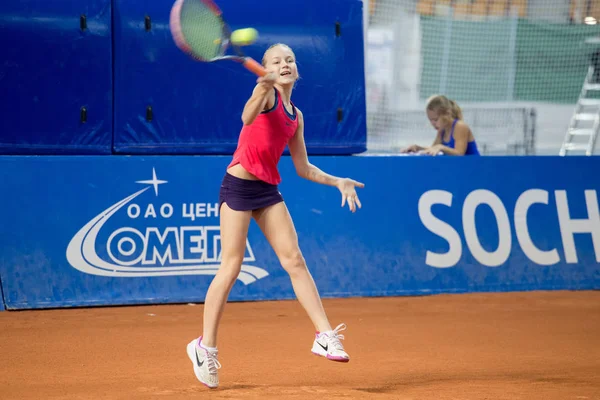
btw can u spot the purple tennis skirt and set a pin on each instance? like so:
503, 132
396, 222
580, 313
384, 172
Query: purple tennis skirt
247, 195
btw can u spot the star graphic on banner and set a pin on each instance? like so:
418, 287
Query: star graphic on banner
154, 181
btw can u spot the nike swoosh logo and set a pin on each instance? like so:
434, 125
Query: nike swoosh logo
198, 360
324, 347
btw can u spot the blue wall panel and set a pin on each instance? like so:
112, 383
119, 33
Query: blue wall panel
197, 106
49, 70
123, 230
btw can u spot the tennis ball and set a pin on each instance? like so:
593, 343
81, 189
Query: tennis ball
244, 37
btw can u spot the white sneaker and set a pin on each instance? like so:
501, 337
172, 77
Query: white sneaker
205, 363
327, 344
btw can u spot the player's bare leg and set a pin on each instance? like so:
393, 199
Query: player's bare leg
203, 351
278, 227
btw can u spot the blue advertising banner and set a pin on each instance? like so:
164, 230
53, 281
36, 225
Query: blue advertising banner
1, 298
95, 230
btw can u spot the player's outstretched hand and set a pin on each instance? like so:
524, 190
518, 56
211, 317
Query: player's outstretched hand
347, 188
434, 150
411, 149
268, 80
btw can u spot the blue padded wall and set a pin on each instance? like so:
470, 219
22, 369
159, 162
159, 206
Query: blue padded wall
197, 106
49, 70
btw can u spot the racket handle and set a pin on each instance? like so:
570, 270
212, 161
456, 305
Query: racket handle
254, 66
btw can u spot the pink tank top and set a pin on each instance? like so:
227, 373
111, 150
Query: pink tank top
262, 143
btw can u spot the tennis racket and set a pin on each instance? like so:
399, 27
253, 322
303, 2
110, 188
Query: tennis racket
199, 30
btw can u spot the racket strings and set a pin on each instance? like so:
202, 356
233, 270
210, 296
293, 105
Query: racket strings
202, 29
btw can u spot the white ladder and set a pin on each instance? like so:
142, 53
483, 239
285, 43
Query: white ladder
585, 122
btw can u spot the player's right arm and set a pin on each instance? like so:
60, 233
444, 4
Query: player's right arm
438, 139
263, 97
415, 147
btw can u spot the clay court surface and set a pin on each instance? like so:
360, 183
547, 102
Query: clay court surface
532, 345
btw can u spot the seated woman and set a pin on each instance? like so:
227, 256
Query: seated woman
454, 137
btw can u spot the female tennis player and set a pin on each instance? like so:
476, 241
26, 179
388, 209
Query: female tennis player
454, 137
249, 190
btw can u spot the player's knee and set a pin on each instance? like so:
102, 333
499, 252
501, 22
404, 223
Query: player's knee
293, 262
231, 266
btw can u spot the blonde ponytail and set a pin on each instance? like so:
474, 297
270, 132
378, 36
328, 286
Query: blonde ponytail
455, 110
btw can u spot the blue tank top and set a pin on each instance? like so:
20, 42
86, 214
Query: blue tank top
471, 146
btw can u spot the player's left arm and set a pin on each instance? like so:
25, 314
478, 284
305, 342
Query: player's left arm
461, 139
303, 167
308, 171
